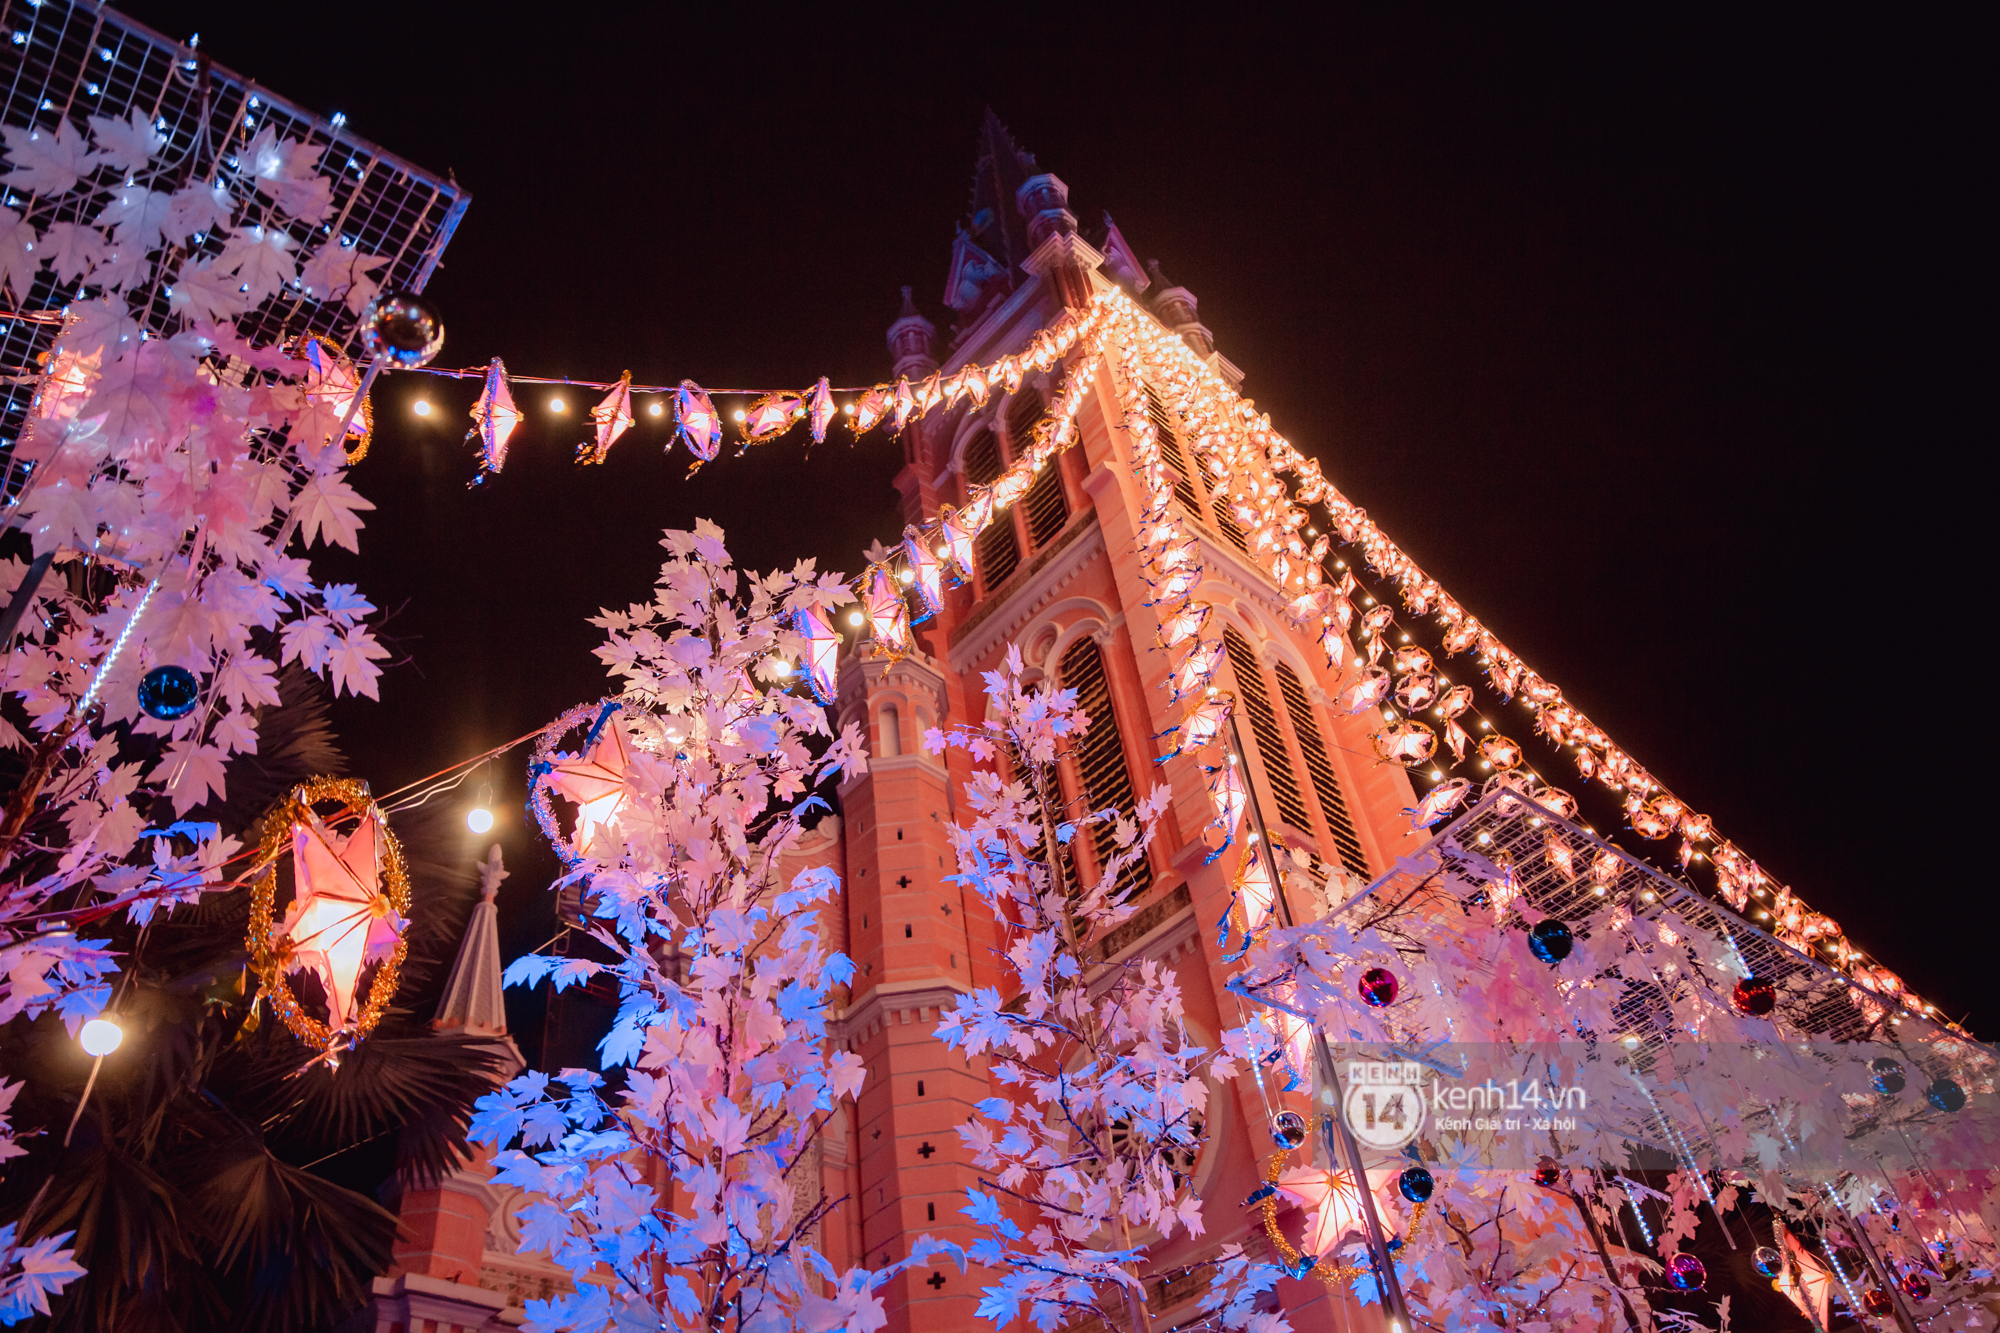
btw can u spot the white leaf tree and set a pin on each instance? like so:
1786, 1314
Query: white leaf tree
680, 1198
168, 464
1104, 1088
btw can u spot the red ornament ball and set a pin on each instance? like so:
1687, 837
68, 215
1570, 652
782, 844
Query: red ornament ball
1686, 1273
1876, 1302
1547, 1174
1915, 1285
1378, 987
1756, 996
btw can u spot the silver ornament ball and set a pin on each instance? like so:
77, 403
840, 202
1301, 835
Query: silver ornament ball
402, 330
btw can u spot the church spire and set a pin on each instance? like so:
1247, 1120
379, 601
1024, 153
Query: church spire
997, 176
472, 1003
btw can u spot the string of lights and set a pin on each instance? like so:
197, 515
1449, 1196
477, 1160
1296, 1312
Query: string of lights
1242, 450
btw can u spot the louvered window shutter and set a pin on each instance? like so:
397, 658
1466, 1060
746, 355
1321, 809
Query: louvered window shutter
1170, 451
996, 550
1320, 769
1100, 758
1226, 522
1045, 506
1255, 697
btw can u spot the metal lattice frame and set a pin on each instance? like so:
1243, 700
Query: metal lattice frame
68, 60
1507, 843
1508, 834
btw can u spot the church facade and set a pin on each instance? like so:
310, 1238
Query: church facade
1059, 576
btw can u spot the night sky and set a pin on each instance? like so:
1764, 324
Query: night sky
1651, 344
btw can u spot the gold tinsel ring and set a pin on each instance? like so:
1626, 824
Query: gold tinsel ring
269, 956
301, 349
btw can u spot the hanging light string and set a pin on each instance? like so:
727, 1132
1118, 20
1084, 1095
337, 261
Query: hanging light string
1239, 446
1298, 568
564, 381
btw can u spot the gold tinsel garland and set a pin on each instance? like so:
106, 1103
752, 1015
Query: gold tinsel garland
1331, 1274
270, 956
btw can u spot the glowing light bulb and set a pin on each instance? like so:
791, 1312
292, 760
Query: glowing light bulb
555, 404
781, 667
100, 1037
854, 618
738, 414
479, 819
848, 408
655, 409
422, 407
906, 576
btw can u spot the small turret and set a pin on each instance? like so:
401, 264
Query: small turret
1176, 308
912, 341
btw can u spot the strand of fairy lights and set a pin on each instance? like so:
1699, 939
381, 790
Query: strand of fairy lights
1790, 915
1239, 447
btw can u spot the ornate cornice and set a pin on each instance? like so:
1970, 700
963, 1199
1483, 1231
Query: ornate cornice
894, 1002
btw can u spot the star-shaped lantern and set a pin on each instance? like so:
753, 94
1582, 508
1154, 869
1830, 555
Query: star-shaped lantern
1253, 890
888, 615
495, 418
1332, 1201
596, 783
330, 385
698, 421
926, 571
341, 920
819, 410
772, 415
822, 663
613, 417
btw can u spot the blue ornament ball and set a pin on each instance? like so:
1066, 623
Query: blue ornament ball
1945, 1095
1768, 1262
1887, 1075
1550, 940
1416, 1184
169, 692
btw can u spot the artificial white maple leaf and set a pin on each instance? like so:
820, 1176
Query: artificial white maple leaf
136, 216
310, 640
327, 507
72, 249
18, 262
236, 732
353, 664
195, 770
45, 1269
247, 679
127, 145
194, 209
336, 270
207, 292
46, 161
260, 259
286, 170
133, 402
125, 267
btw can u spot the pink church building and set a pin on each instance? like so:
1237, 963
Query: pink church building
1058, 576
